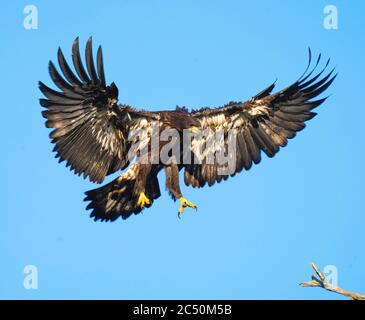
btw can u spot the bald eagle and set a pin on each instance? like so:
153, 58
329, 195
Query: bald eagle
92, 134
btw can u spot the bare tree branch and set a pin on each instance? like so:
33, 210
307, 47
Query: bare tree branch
322, 282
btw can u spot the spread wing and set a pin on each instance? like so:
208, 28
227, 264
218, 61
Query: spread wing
90, 129
264, 123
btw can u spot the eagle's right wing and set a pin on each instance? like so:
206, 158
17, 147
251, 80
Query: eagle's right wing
90, 129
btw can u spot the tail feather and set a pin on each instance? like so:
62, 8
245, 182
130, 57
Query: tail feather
116, 199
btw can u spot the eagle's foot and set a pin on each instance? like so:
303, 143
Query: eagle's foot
143, 200
185, 203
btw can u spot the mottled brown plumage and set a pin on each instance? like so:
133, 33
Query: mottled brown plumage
91, 133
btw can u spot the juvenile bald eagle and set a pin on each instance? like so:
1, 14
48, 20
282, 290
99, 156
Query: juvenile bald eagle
91, 133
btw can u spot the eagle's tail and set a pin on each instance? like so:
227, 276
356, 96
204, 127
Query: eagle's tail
117, 198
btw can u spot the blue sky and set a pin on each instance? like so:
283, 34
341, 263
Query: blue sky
253, 236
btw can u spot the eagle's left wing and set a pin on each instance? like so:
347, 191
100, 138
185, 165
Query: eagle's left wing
264, 123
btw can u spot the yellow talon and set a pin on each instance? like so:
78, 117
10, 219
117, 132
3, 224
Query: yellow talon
185, 203
143, 200
194, 129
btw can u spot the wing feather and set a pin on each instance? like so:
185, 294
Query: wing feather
66, 70
76, 58
90, 62
100, 67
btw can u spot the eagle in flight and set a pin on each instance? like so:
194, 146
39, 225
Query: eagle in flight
92, 133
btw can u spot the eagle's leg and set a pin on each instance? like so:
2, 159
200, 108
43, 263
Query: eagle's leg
173, 186
140, 185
